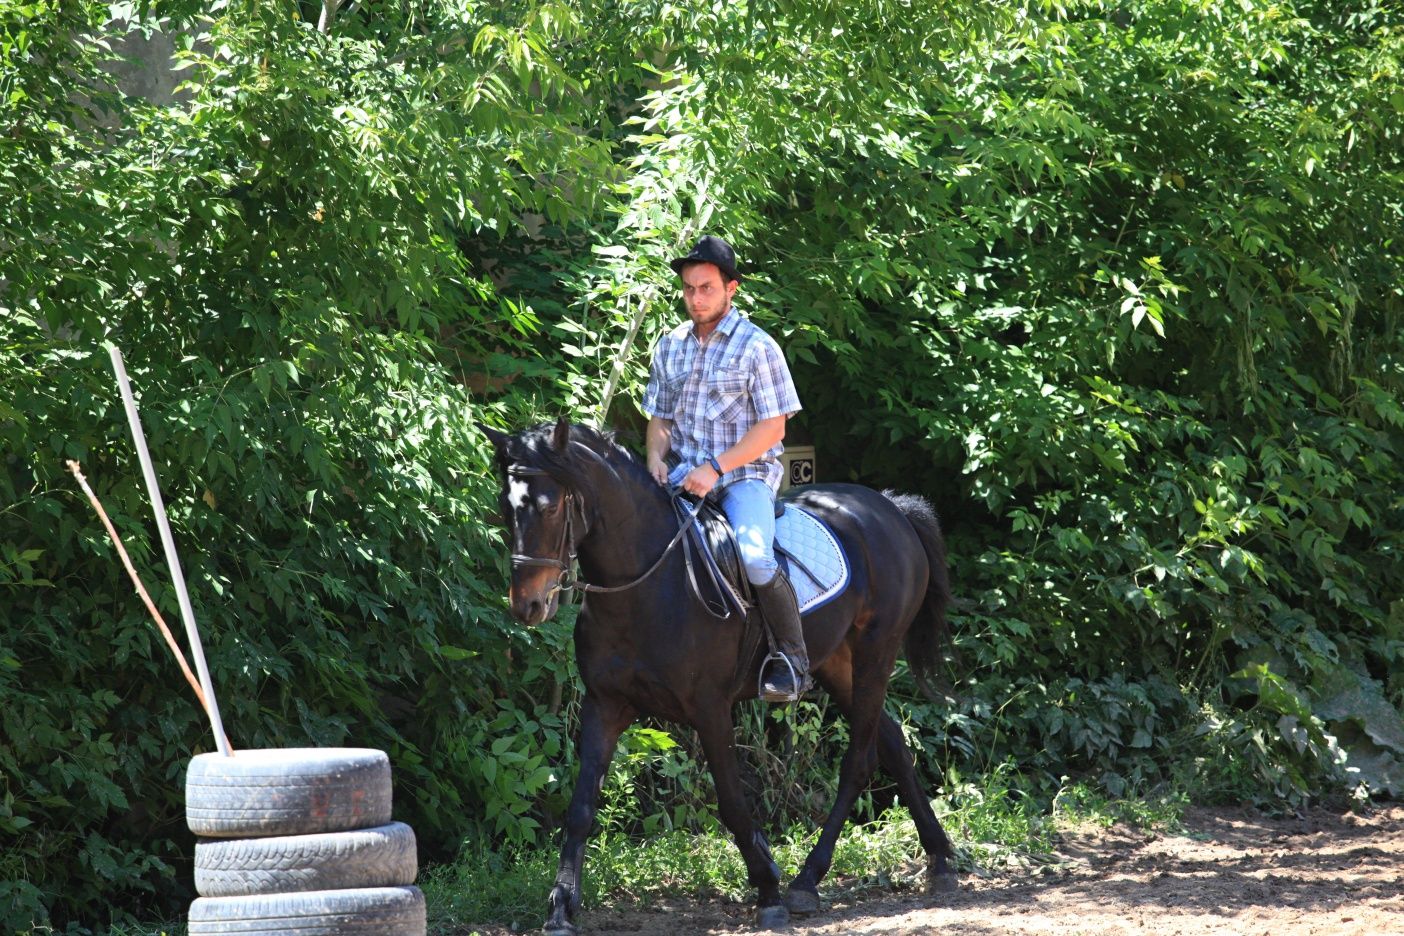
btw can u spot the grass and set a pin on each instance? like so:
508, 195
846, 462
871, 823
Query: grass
994, 827
1081, 803
510, 889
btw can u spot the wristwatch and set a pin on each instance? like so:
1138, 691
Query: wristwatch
716, 465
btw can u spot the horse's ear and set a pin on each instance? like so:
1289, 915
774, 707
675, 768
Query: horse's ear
561, 437
496, 437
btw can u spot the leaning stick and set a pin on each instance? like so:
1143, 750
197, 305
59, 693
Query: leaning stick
645, 301
77, 470
168, 541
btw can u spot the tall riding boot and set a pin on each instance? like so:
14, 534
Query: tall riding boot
786, 676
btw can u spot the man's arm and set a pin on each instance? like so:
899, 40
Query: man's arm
658, 440
758, 440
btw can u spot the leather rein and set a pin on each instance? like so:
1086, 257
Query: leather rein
565, 559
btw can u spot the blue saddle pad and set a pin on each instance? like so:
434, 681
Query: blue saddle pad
811, 556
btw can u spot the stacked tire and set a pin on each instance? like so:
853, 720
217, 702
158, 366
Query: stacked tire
299, 842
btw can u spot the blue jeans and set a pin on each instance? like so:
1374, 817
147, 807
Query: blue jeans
750, 506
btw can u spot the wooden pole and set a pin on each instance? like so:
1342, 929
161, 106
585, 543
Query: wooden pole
186, 612
77, 470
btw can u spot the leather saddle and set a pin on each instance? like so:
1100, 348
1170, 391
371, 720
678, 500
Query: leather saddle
726, 589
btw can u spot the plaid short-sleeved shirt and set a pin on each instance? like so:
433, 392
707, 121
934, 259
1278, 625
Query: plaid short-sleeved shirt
715, 392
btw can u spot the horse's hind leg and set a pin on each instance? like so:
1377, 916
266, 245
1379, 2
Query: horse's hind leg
719, 743
897, 759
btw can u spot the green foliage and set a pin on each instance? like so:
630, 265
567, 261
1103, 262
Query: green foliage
1081, 803
1116, 285
278, 259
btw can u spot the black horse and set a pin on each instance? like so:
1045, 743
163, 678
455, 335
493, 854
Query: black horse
646, 645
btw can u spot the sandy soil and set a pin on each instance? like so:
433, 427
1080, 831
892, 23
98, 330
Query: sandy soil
1227, 872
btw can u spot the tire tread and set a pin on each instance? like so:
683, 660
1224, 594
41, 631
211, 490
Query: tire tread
384, 856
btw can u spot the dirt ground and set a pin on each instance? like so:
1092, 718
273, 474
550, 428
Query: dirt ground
1226, 872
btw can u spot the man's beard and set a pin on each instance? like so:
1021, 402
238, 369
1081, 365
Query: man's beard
714, 317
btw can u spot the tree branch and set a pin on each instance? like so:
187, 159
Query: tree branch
328, 12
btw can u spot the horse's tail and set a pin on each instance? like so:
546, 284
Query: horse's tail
930, 631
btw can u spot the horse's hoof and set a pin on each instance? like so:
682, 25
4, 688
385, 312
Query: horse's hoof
802, 902
560, 929
943, 883
771, 918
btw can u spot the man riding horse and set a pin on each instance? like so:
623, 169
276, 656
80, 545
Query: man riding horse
647, 645
719, 394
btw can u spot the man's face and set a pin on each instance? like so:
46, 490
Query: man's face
706, 296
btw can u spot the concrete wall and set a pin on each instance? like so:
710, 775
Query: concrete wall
147, 73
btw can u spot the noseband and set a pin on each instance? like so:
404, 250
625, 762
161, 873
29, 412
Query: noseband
565, 558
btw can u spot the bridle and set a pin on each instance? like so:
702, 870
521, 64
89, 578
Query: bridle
564, 562
565, 559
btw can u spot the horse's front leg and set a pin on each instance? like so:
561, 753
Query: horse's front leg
719, 744
601, 724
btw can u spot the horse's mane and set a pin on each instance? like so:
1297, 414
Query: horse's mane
535, 448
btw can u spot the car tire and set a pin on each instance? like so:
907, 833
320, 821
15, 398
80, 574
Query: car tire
287, 791
383, 856
376, 911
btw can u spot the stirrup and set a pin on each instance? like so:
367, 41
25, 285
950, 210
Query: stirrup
792, 696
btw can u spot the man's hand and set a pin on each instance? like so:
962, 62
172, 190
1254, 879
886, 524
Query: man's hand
700, 480
659, 440
659, 469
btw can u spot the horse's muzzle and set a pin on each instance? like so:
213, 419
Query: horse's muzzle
535, 597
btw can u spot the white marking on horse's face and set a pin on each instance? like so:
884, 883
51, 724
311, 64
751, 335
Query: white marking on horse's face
518, 495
